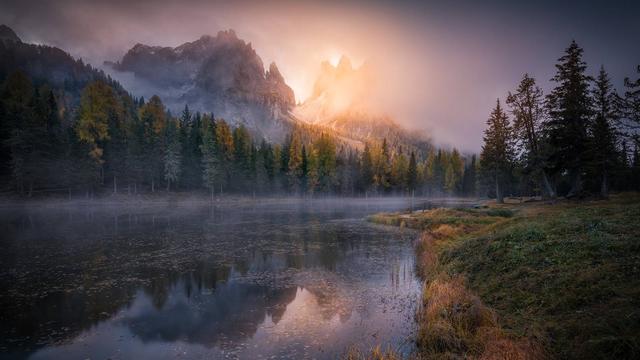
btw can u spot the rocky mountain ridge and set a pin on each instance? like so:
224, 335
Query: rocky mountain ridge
221, 74
341, 101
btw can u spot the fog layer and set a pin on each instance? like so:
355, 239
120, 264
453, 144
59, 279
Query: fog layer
440, 67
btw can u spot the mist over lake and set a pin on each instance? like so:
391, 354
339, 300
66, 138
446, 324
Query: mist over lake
299, 278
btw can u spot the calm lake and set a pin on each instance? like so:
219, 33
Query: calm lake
296, 279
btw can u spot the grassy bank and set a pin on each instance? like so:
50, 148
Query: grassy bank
530, 280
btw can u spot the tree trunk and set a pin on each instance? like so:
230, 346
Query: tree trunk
547, 185
499, 196
153, 186
576, 185
604, 187
115, 185
168, 185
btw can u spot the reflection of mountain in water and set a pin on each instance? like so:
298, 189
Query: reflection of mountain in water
204, 273
232, 313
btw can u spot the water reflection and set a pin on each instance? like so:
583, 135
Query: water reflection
292, 280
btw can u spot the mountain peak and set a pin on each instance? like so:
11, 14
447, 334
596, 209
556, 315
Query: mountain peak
7, 35
222, 74
344, 64
227, 35
274, 73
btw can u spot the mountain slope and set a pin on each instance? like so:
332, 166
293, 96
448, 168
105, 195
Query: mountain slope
341, 102
48, 65
221, 74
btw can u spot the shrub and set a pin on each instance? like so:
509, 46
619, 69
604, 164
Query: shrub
501, 213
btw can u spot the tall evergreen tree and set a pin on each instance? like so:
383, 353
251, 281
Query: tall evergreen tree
382, 173
242, 145
631, 105
211, 169
412, 173
192, 153
469, 178
304, 169
172, 155
497, 152
428, 174
527, 108
294, 170
439, 171
326, 163
366, 169
456, 169
154, 119
635, 169
569, 107
603, 135
399, 169
262, 177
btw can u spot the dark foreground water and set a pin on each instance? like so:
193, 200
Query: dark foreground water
293, 280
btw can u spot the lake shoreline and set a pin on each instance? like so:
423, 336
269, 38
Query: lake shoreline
510, 280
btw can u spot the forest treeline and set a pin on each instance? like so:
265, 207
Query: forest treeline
115, 143
580, 137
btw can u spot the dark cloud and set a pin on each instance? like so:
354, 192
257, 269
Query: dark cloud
442, 64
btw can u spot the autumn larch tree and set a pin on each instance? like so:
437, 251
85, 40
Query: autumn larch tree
98, 105
224, 153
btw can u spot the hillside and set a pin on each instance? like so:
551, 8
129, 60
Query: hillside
48, 65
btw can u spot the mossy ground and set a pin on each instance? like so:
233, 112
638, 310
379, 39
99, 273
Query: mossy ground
565, 276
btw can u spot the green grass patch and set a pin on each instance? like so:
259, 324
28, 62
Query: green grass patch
568, 272
501, 212
566, 276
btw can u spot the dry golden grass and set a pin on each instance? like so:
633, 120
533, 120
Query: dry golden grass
426, 252
453, 322
450, 317
447, 231
376, 353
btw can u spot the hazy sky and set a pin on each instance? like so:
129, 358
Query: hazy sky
440, 65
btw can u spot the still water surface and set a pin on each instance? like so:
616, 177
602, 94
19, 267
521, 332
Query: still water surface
300, 279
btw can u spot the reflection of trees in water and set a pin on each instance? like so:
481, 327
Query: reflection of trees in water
58, 316
68, 270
